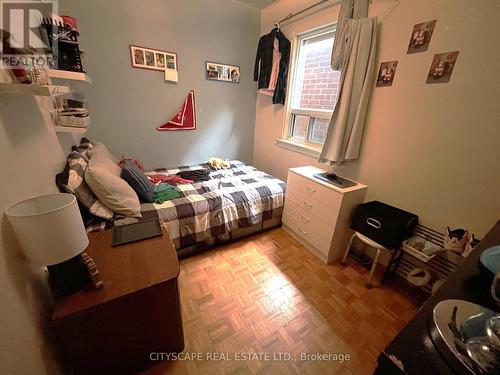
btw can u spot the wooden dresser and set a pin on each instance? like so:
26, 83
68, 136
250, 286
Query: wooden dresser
113, 330
319, 214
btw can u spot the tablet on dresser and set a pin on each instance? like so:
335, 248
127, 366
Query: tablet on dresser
136, 232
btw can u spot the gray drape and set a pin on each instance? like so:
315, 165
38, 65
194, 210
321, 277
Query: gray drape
349, 9
354, 53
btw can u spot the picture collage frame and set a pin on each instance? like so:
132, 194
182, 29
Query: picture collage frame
222, 72
155, 59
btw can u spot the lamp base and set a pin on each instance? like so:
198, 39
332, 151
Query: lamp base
69, 276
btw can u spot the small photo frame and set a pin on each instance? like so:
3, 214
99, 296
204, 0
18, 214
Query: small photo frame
441, 67
137, 55
171, 61
153, 59
386, 73
421, 37
150, 59
222, 72
160, 60
171, 74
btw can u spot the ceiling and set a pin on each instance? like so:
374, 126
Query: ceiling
257, 4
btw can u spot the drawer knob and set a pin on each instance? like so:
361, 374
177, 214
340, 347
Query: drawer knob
305, 219
310, 190
307, 205
301, 231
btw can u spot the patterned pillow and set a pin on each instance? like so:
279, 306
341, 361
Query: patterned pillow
84, 147
138, 181
72, 181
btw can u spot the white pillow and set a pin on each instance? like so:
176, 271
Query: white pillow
103, 177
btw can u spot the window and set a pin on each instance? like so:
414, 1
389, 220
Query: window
313, 90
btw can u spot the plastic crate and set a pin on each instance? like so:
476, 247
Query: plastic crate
420, 248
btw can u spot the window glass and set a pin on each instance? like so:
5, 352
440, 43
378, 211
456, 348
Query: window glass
317, 83
314, 88
318, 130
299, 127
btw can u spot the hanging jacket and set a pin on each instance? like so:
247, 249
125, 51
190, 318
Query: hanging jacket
273, 78
264, 64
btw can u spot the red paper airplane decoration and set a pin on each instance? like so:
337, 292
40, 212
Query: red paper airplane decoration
185, 119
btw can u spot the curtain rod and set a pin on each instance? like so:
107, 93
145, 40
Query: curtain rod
291, 15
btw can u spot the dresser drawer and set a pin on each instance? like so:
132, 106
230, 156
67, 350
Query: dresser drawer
315, 190
311, 205
308, 220
308, 232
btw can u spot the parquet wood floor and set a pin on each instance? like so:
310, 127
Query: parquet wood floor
268, 294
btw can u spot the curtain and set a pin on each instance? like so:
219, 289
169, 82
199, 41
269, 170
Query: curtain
357, 62
348, 9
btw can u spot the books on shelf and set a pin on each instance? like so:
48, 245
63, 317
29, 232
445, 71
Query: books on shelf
73, 117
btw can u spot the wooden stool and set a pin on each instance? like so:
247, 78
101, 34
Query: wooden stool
368, 242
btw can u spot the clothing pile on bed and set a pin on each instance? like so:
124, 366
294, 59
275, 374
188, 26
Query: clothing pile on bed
196, 175
165, 192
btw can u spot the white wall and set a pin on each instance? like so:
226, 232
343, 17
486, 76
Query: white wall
30, 156
430, 149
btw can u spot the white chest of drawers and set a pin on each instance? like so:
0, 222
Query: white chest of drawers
319, 214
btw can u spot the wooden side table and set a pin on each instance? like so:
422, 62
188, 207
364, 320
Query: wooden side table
114, 329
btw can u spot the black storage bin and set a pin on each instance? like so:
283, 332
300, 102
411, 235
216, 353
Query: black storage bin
384, 224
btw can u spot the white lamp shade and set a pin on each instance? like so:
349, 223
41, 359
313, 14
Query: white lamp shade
49, 228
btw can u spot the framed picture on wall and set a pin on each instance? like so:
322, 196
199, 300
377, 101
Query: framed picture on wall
441, 67
222, 72
421, 36
153, 59
386, 73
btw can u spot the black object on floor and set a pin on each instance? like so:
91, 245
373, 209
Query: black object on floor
333, 179
361, 257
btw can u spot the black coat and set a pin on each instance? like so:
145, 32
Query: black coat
265, 58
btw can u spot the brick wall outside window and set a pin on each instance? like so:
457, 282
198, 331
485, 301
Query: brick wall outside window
320, 85
318, 88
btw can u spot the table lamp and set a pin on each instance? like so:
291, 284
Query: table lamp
51, 233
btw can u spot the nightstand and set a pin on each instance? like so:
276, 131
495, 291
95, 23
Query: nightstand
137, 312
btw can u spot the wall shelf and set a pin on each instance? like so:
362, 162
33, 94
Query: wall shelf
69, 129
66, 74
29, 89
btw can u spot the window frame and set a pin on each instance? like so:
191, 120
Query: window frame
295, 84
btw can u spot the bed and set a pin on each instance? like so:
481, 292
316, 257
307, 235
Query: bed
235, 202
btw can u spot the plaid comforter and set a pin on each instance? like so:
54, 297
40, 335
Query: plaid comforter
233, 198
